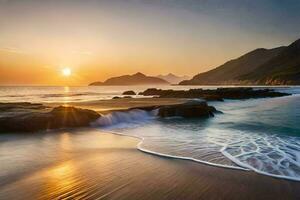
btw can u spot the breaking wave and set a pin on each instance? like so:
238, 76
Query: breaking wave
124, 119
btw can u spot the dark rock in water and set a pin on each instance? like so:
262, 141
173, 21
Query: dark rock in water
130, 92
190, 109
214, 95
125, 97
187, 110
59, 117
154, 92
72, 117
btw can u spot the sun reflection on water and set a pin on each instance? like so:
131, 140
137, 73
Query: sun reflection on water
66, 97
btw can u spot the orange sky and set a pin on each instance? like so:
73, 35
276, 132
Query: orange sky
100, 39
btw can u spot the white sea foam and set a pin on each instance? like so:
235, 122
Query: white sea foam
140, 147
251, 135
238, 159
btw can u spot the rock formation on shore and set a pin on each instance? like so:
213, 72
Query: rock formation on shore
214, 95
189, 109
30, 118
26, 117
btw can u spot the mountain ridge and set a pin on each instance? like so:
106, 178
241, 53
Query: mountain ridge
277, 66
134, 79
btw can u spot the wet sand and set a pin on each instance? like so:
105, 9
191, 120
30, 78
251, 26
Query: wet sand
112, 168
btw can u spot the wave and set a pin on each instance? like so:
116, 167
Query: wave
70, 94
139, 147
240, 165
271, 155
122, 119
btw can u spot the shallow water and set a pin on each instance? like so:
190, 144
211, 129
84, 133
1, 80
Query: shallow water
59, 94
257, 134
71, 94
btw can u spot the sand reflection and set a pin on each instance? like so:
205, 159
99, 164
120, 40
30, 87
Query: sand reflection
62, 181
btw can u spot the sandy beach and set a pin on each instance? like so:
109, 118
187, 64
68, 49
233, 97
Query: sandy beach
108, 166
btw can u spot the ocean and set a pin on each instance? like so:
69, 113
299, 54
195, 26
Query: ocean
261, 135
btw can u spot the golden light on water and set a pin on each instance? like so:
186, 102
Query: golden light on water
66, 71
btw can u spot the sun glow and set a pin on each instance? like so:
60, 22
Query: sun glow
66, 71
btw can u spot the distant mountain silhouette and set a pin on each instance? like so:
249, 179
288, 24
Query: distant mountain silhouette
278, 66
173, 79
135, 79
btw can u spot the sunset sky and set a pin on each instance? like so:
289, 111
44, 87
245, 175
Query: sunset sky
98, 39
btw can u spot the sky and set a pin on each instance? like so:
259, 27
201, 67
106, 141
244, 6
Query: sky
98, 39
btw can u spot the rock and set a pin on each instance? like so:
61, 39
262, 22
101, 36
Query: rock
130, 92
125, 97
59, 117
188, 110
153, 92
214, 95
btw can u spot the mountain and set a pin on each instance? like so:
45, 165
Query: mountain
282, 69
173, 79
262, 66
135, 79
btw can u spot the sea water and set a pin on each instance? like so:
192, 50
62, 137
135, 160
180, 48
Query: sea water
262, 135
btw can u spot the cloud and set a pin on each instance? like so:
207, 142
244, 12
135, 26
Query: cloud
12, 50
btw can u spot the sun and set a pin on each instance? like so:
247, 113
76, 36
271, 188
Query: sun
66, 71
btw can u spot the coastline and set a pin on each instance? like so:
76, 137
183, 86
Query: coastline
115, 169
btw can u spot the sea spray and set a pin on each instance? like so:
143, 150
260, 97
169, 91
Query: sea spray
128, 118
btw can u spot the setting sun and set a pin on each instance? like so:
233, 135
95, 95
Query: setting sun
66, 71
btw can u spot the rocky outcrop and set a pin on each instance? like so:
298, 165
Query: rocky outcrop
59, 117
130, 92
124, 97
214, 95
190, 109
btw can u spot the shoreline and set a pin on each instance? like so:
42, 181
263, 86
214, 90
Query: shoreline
114, 168
128, 104
238, 167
